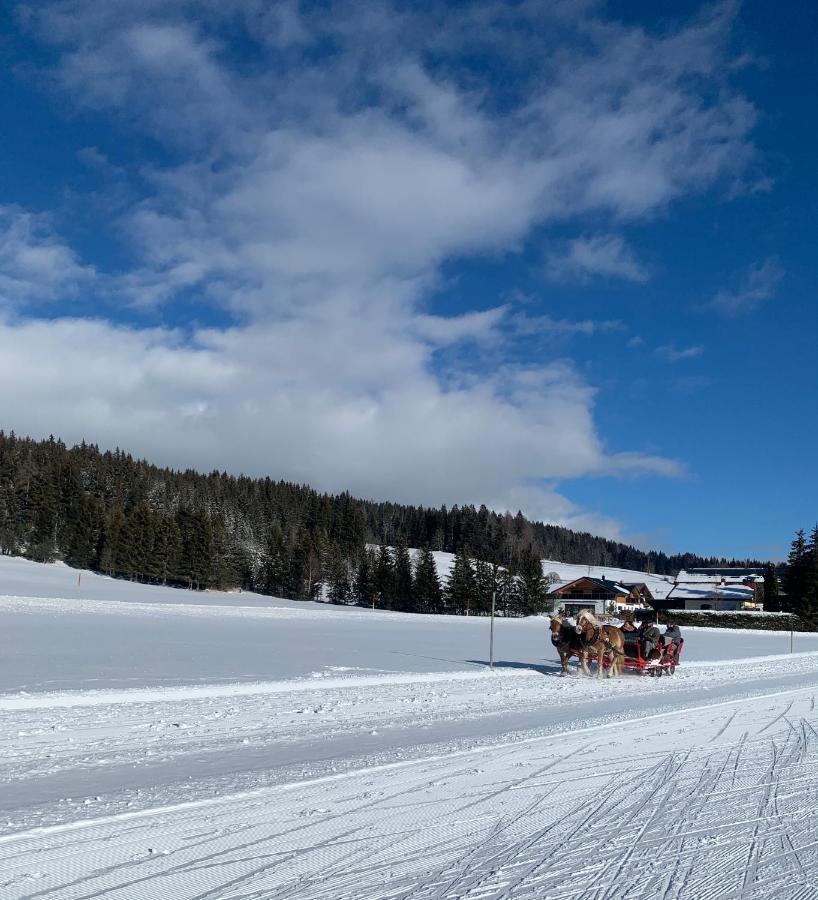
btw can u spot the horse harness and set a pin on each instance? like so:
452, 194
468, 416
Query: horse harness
596, 638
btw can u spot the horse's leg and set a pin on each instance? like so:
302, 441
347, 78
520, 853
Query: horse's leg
600, 668
583, 662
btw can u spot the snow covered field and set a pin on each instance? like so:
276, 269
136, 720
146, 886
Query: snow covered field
160, 743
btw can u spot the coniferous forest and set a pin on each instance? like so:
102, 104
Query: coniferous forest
124, 517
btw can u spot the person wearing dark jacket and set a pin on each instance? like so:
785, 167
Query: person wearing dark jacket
650, 636
673, 636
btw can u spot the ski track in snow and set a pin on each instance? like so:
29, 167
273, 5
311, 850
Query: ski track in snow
718, 802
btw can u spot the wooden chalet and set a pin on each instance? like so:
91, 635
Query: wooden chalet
597, 594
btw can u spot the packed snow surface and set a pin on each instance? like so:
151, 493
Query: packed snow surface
162, 743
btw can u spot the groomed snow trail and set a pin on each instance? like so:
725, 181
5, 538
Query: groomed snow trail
715, 802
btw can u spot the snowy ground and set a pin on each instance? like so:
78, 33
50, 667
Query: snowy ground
222, 749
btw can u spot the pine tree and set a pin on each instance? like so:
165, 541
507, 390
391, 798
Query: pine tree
336, 572
384, 577
167, 551
427, 591
796, 576
772, 599
485, 578
532, 598
44, 502
364, 585
461, 584
507, 592
808, 607
10, 532
402, 590
274, 573
108, 546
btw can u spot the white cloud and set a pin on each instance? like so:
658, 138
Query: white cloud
759, 284
671, 353
545, 326
316, 197
35, 265
476, 326
601, 255
289, 398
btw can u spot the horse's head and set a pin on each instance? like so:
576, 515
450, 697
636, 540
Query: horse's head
557, 622
586, 622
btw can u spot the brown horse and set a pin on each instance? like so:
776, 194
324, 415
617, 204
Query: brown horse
565, 640
602, 641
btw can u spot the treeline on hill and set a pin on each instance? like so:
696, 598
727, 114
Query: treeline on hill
799, 581
128, 518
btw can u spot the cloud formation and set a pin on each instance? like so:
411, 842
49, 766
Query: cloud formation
673, 354
313, 189
758, 285
35, 264
605, 255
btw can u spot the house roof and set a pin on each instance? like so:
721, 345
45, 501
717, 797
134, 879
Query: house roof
611, 587
710, 591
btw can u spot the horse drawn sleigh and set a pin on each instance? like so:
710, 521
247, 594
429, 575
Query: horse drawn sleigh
661, 661
613, 649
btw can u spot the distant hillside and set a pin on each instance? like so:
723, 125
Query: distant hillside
110, 512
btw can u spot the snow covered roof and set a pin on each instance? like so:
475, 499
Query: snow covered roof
606, 584
693, 577
572, 571
710, 591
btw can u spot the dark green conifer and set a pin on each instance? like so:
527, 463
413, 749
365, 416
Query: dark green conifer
461, 585
427, 591
384, 578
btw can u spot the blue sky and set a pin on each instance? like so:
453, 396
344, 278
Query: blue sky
550, 256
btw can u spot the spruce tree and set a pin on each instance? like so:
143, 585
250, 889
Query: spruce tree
507, 592
485, 585
402, 590
796, 577
427, 591
532, 589
461, 584
364, 584
808, 607
274, 572
384, 577
336, 571
772, 599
